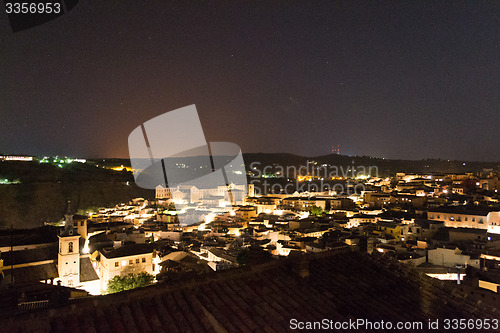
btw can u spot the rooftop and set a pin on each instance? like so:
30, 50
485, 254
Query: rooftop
127, 250
267, 296
461, 210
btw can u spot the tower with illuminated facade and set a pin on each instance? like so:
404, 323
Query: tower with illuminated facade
68, 261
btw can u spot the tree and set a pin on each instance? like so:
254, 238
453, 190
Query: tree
315, 210
171, 206
130, 281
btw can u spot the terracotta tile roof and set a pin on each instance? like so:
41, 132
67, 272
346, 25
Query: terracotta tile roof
264, 298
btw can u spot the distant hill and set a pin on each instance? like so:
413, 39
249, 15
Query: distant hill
43, 189
386, 167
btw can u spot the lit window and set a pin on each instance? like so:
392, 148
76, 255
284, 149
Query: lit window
124, 262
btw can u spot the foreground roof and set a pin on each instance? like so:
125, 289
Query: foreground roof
266, 297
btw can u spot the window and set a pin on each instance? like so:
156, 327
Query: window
81, 224
70, 247
466, 219
116, 264
452, 218
137, 260
481, 221
130, 262
473, 219
143, 259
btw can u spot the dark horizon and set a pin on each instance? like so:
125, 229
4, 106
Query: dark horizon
272, 153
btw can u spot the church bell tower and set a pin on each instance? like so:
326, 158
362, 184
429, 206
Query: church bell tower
68, 261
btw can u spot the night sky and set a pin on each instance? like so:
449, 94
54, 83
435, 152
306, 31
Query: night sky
387, 79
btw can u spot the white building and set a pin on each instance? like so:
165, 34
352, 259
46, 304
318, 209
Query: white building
124, 260
462, 218
451, 258
231, 194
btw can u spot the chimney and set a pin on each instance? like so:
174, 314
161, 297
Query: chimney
301, 265
459, 267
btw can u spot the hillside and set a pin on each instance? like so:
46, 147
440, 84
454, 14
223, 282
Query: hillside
386, 167
44, 189
41, 190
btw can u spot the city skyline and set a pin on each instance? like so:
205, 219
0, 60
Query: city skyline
249, 166
394, 80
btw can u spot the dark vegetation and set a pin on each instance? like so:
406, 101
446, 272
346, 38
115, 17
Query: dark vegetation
44, 190
130, 281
